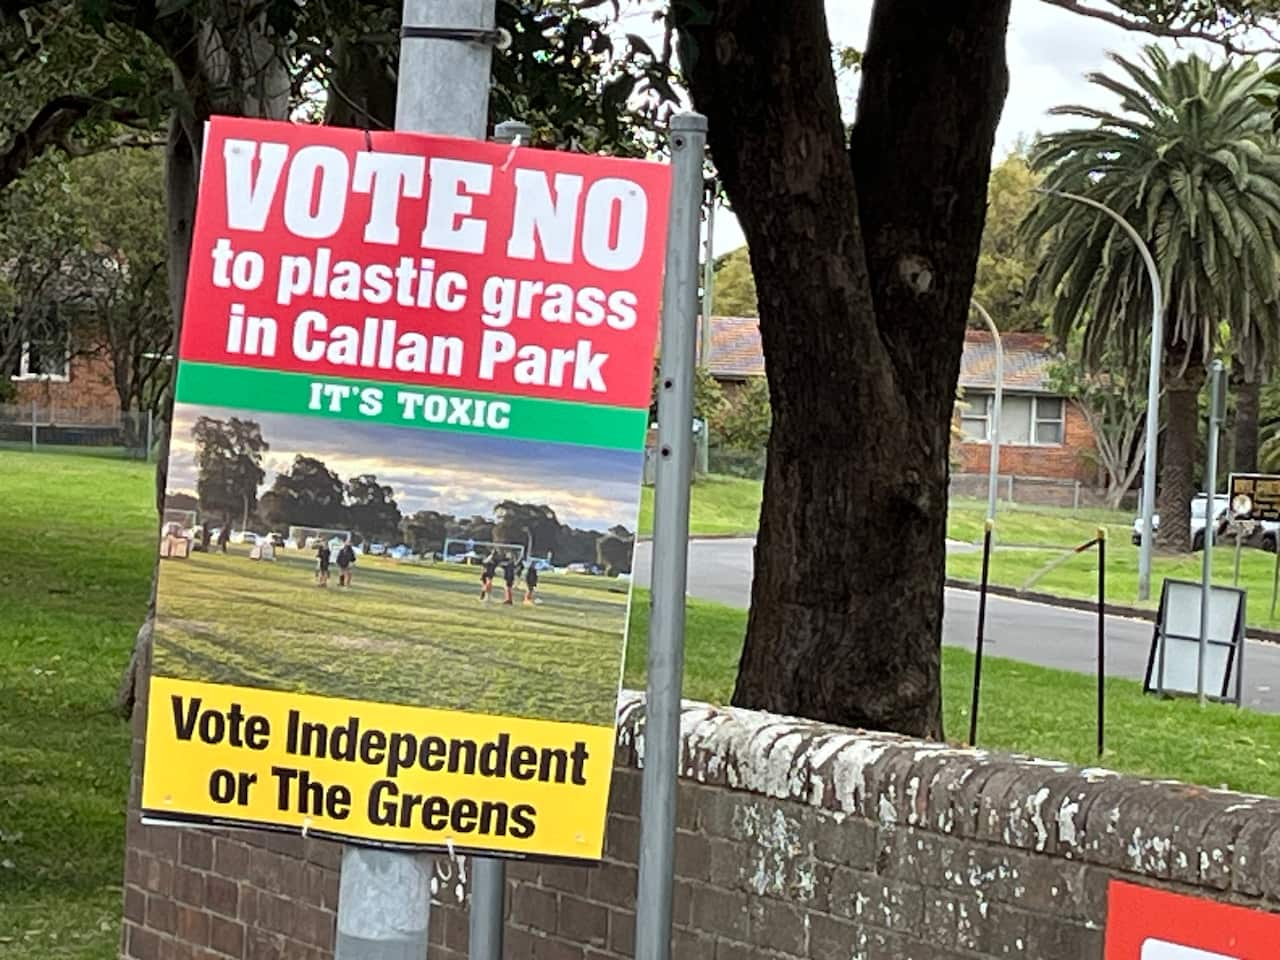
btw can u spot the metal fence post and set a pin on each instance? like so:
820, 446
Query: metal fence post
670, 544
151, 436
1210, 518
33, 425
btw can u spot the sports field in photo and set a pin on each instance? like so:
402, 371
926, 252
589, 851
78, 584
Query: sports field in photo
403, 633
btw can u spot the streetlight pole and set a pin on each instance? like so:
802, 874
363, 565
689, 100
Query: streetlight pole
993, 430
1153, 387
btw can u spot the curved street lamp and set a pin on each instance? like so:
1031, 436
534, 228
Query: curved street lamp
1153, 387
993, 428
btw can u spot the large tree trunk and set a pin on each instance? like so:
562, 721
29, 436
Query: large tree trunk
226, 65
864, 261
1183, 379
1244, 439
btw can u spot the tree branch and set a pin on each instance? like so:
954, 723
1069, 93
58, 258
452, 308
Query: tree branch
51, 128
1168, 30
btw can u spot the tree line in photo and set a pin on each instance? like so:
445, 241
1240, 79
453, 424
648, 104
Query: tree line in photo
229, 475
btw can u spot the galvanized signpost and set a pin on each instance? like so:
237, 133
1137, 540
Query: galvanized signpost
1217, 405
670, 543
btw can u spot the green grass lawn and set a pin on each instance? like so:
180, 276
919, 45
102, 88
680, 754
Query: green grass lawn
78, 540
1020, 524
227, 619
718, 506
1078, 575
1029, 709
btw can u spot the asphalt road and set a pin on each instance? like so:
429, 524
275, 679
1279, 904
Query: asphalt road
720, 570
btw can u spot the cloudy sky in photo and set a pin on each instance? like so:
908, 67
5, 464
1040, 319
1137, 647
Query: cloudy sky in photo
1049, 50
455, 473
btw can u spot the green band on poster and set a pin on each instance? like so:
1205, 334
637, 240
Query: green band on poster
404, 405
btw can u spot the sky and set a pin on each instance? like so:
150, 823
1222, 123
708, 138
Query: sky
1049, 50
453, 473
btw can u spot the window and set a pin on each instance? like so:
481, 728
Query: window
1049, 420
973, 416
43, 360
1027, 420
1015, 419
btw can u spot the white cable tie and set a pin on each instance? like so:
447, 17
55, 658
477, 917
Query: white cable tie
511, 154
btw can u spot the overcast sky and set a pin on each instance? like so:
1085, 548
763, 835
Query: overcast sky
1049, 52
454, 473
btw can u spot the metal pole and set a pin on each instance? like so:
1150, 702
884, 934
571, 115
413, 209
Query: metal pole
670, 544
1275, 581
1153, 387
1102, 635
33, 425
150, 433
1210, 517
982, 625
708, 279
384, 900
993, 469
489, 874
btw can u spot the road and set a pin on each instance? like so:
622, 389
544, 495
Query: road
720, 570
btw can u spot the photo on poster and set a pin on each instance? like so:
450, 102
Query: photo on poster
397, 565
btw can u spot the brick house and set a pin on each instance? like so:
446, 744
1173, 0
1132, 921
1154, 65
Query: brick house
1046, 444
66, 388
1043, 435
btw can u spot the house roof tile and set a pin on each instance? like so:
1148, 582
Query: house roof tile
736, 354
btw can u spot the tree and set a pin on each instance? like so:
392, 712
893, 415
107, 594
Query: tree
1004, 266
1113, 404
426, 530
742, 422
856, 271
614, 550
735, 286
228, 465
372, 511
86, 238
533, 524
1189, 161
308, 494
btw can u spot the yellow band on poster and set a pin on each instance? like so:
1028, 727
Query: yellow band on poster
377, 772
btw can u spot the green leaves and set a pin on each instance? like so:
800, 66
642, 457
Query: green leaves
1191, 162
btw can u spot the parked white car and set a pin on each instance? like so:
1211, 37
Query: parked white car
1221, 502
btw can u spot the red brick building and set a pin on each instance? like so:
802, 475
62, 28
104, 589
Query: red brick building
1044, 436
1042, 433
67, 389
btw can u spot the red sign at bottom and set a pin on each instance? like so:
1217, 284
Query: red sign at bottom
1146, 924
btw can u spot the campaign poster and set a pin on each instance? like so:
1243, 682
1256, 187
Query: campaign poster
1148, 924
403, 487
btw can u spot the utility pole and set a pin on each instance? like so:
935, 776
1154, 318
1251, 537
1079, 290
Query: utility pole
446, 52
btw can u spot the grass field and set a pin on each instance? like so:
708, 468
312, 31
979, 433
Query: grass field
83, 530
401, 634
718, 506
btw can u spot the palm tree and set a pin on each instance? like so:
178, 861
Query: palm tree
1190, 161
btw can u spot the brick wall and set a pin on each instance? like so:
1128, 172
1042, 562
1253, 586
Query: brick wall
797, 841
88, 395
1066, 461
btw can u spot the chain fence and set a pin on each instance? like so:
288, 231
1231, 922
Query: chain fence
40, 426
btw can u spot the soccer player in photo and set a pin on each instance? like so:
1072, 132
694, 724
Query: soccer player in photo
486, 576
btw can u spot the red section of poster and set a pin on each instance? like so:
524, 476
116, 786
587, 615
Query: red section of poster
427, 260
1146, 924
